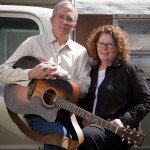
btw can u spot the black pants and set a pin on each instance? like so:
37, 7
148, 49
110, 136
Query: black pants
96, 138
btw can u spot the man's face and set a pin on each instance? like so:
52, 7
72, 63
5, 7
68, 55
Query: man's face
64, 21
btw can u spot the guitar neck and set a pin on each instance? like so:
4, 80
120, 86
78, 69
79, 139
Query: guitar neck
85, 114
126, 134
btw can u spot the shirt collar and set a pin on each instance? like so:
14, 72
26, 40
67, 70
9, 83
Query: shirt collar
70, 44
117, 63
52, 38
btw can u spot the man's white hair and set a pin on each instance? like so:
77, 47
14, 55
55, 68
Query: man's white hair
56, 7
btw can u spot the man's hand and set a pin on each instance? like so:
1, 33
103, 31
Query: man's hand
59, 72
47, 71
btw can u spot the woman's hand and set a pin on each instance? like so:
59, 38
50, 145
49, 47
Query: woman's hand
85, 123
117, 122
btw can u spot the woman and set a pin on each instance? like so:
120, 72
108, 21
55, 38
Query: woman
119, 92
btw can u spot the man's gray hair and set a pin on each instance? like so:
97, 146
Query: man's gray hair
56, 7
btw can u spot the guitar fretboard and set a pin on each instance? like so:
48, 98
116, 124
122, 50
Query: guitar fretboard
85, 114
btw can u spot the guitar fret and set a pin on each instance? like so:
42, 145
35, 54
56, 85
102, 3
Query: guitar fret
99, 123
76, 109
112, 128
81, 113
104, 124
87, 116
58, 102
72, 108
91, 118
95, 119
66, 105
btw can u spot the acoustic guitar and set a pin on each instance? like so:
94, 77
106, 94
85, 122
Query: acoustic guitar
47, 97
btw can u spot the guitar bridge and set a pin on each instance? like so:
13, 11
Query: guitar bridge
32, 85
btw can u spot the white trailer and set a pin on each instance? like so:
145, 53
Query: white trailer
19, 22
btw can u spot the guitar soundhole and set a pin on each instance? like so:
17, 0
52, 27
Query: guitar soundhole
49, 97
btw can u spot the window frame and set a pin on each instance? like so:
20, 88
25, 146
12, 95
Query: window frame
140, 57
23, 16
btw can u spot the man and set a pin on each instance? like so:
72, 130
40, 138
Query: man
61, 57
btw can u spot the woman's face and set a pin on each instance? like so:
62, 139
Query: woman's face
106, 48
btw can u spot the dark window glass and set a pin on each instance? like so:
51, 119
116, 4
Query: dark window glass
13, 31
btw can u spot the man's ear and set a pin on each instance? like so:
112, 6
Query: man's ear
51, 19
74, 26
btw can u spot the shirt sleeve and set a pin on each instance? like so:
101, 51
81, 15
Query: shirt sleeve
84, 80
8, 74
141, 98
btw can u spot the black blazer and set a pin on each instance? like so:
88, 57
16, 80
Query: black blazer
123, 94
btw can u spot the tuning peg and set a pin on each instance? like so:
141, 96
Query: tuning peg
135, 143
128, 126
134, 129
129, 139
122, 139
129, 142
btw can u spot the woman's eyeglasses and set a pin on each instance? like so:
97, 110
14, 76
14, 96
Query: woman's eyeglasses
108, 45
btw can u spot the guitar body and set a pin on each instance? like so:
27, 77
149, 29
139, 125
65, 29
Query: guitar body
44, 94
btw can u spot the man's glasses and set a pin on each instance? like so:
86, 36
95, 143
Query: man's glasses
67, 19
108, 45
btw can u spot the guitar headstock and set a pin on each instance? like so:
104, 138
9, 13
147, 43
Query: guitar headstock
131, 136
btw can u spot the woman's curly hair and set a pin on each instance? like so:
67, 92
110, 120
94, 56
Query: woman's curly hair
120, 37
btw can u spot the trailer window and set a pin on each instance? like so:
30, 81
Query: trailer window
13, 31
138, 29
139, 33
